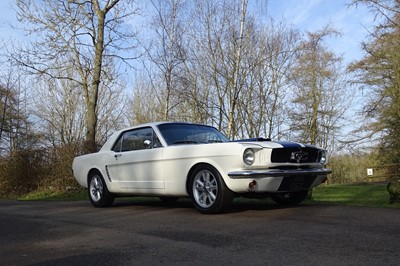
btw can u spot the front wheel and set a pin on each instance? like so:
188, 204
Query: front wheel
208, 191
99, 195
290, 198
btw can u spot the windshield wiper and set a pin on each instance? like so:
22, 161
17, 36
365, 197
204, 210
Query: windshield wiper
214, 141
186, 142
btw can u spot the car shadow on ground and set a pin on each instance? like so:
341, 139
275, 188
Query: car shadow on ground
238, 205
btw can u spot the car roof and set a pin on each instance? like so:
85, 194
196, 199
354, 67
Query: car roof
111, 140
152, 124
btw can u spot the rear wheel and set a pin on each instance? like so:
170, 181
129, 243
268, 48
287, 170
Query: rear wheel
208, 191
290, 198
98, 193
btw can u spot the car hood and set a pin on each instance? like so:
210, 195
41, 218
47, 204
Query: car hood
267, 143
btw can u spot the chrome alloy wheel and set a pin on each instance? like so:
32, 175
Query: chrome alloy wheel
205, 188
96, 188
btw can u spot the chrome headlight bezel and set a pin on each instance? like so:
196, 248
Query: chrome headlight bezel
249, 156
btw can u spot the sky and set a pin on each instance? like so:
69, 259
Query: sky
7, 16
306, 15
313, 15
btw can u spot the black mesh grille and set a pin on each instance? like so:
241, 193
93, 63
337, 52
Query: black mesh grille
295, 155
296, 183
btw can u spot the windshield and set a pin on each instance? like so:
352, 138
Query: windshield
180, 133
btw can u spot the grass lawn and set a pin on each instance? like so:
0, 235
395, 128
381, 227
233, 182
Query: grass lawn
365, 194
56, 196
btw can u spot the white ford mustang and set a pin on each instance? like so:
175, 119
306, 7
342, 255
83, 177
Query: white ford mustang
172, 160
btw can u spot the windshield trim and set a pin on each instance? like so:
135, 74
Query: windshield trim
190, 134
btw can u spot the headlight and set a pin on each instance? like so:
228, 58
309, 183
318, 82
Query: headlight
248, 156
323, 157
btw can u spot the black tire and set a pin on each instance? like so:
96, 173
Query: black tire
208, 191
290, 198
98, 193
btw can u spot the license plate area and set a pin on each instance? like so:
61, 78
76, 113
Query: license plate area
296, 183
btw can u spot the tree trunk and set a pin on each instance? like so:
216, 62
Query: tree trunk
91, 125
236, 86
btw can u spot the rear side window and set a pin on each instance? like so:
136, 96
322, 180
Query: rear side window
137, 139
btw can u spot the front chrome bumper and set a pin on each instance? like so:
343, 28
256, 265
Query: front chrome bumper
278, 172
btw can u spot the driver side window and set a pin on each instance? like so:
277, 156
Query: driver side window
137, 139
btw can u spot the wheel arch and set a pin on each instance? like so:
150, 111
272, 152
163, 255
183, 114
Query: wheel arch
90, 172
98, 192
191, 171
222, 194
203, 163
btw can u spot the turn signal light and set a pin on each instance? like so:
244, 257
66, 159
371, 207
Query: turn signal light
253, 184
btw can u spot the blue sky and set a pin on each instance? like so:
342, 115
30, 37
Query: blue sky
306, 15
313, 15
7, 15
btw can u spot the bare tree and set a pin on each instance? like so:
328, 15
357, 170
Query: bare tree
378, 74
76, 35
237, 82
15, 128
270, 61
220, 45
317, 90
167, 50
227, 69
7, 115
61, 107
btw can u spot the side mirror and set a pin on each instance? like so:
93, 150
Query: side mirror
147, 144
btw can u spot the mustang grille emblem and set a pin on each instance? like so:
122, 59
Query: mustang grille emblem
299, 156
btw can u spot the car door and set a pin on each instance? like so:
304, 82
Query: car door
137, 161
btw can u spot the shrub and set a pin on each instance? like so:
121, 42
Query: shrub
21, 172
59, 176
24, 171
393, 188
349, 168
